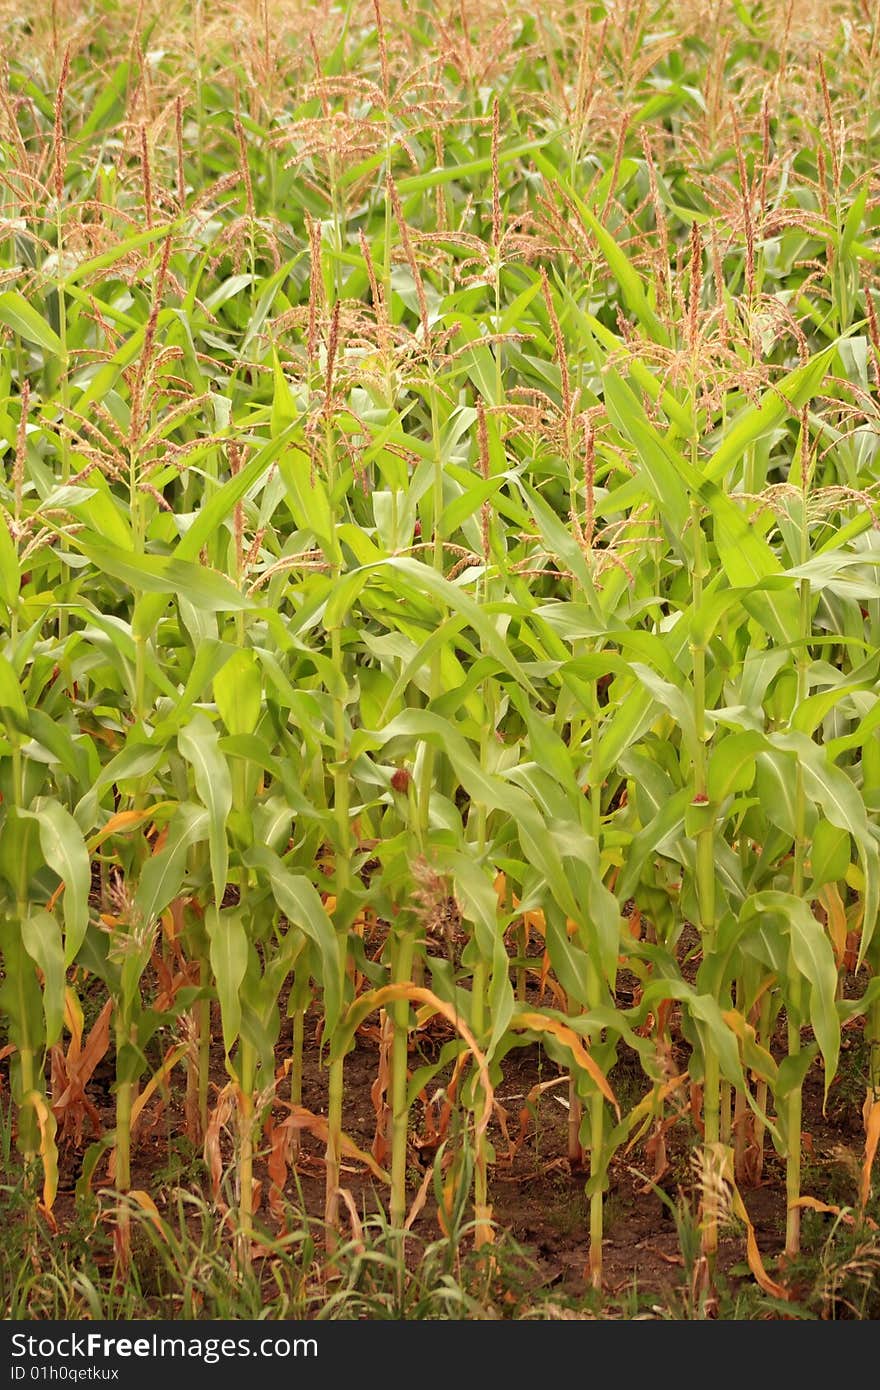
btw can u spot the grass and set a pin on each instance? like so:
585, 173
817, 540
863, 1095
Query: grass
438, 574
182, 1272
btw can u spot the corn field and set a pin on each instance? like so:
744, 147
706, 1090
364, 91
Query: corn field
439, 598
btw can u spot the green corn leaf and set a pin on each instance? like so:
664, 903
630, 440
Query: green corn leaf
571, 963
111, 96
56, 739
126, 247
20, 994
298, 900
668, 822
21, 316
777, 404
621, 268
20, 854
491, 791
273, 823
706, 1012
228, 949
284, 407
732, 764
309, 500
813, 958
41, 938
748, 561
210, 518
792, 1073
561, 543
254, 750
238, 691
662, 466
133, 761
639, 371
470, 501
435, 178
550, 752
671, 698
10, 576
63, 846
408, 576
13, 709
829, 855
197, 743
106, 378
479, 904
122, 643
842, 805
776, 791
597, 917
101, 513
634, 711
204, 588
854, 220
162, 874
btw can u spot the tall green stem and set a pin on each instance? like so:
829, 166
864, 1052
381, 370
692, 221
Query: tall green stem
247, 1057
296, 1066
27, 1133
335, 1085
64, 380
204, 1026
794, 1105
705, 878
342, 873
597, 1102
247, 1078
761, 1090
426, 773
126, 1039
402, 972
198, 855
482, 1228
480, 978
27, 1124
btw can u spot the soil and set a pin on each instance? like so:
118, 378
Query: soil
537, 1195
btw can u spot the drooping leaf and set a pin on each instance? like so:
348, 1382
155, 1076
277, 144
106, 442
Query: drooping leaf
21, 316
198, 745
238, 692
62, 843
229, 957
813, 958
298, 899
42, 939
162, 874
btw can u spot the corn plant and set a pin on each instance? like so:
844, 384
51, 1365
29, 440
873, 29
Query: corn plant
438, 586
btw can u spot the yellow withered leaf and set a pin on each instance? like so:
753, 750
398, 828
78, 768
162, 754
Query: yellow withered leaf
538, 1023
417, 994
753, 1254
146, 1203
74, 1021
756, 1057
301, 1118
651, 1106
174, 1056
48, 1148
831, 1209
119, 823
871, 1116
